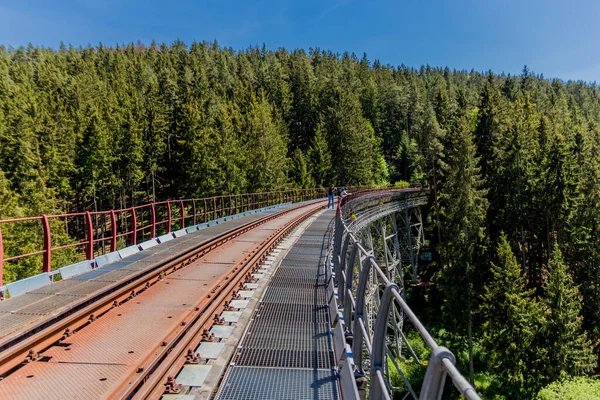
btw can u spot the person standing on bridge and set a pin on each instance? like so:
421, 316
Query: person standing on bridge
330, 198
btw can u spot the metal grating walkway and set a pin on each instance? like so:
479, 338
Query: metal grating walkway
286, 350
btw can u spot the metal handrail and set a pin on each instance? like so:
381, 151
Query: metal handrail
441, 362
96, 231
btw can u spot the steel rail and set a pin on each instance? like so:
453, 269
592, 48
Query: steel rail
151, 383
24, 346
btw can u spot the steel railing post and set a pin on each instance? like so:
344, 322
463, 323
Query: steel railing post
341, 263
133, 227
168, 216
47, 244
337, 244
435, 375
113, 231
89, 253
214, 208
205, 214
349, 272
152, 220
194, 211
359, 312
1, 257
182, 214
378, 349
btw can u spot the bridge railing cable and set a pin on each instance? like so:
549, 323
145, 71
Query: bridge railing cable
349, 253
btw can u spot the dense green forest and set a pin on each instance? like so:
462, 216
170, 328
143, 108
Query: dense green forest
513, 161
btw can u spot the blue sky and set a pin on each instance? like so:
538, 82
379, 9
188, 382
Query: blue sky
557, 38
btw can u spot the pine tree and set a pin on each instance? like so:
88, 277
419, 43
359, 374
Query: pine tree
230, 173
511, 328
583, 228
463, 207
319, 159
567, 344
299, 172
410, 159
266, 149
303, 116
350, 138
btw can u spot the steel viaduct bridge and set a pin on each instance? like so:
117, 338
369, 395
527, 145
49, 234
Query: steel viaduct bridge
255, 296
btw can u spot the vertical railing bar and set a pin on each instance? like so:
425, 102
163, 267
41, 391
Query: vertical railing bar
153, 220
90, 236
194, 212
168, 216
182, 215
1, 261
133, 227
113, 231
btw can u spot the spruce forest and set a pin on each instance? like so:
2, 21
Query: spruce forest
512, 164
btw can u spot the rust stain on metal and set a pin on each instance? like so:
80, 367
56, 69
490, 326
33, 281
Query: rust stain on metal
118, 345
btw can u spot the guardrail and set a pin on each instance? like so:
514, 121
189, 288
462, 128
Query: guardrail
441, 362
98, 232
93, 233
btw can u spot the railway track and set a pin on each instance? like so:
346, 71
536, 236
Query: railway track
152, 375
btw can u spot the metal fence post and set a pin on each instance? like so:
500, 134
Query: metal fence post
214, 208
153, 220
337, 242
361, 292
47, 244
1, 257
435, 375
133, 227
378, 350
349, 272
182, 214
89, 253
341, 263
168, 216
194, 212
113, 231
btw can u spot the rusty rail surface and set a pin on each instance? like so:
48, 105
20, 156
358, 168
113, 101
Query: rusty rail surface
24, 346
152, 382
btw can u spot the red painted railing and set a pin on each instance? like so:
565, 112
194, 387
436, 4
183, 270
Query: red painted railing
98, 231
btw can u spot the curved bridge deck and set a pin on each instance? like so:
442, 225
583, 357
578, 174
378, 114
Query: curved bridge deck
246, 309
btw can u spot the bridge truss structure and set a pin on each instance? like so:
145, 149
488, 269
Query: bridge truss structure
375, 253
